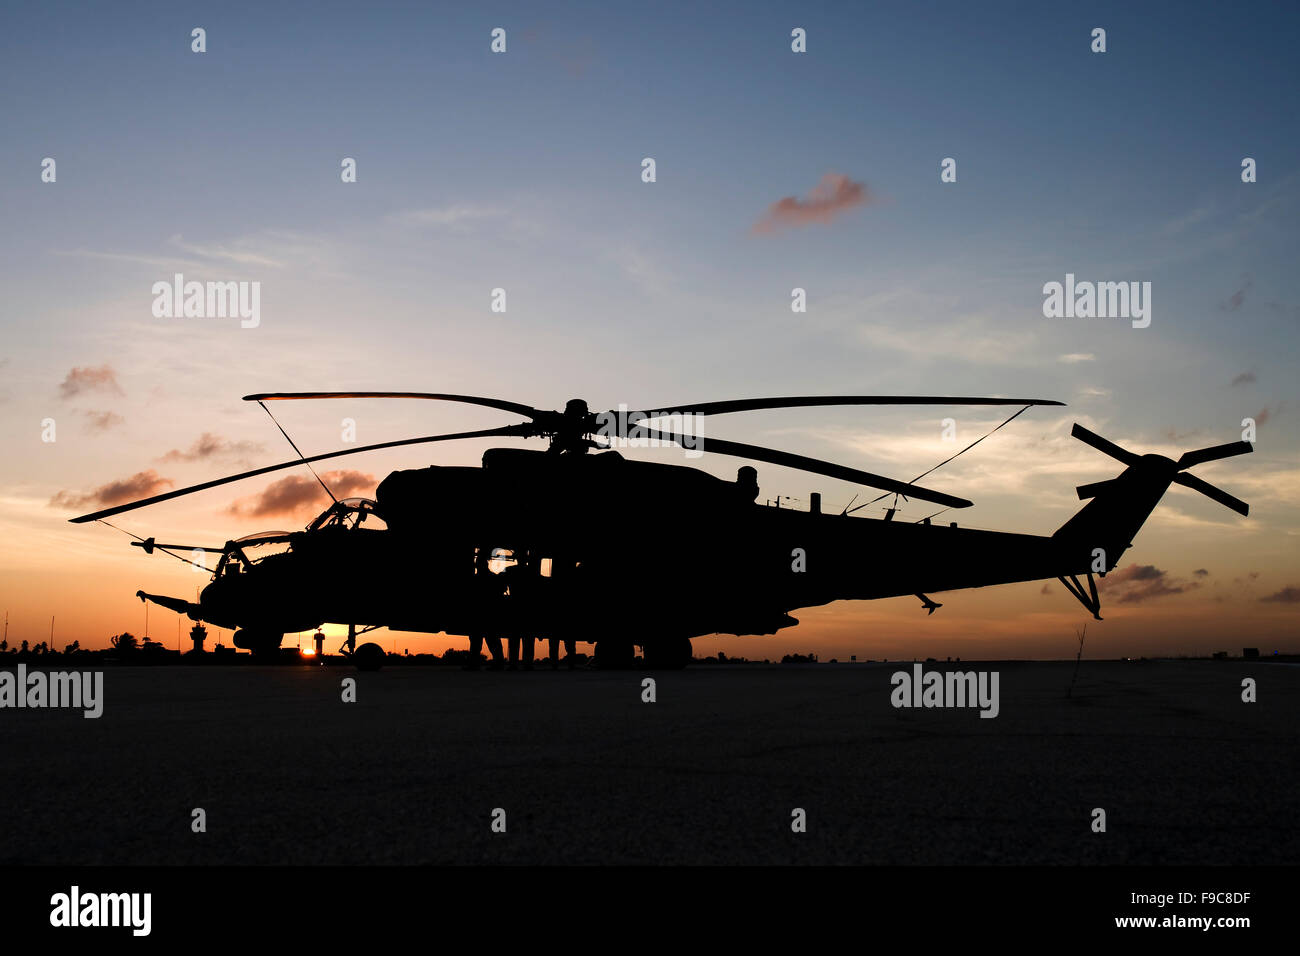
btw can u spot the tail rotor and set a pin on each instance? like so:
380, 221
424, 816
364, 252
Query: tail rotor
1177, 468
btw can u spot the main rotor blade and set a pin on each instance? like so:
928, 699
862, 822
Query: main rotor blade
149, 544
1103, 445
526, 410
1214, 453
1213, 493
812, 401
817, 467
522, 431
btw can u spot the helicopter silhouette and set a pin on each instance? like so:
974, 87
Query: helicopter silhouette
625, 553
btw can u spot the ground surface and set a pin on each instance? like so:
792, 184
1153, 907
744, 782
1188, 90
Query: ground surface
587, 773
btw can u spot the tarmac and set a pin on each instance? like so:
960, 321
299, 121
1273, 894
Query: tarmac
712, 772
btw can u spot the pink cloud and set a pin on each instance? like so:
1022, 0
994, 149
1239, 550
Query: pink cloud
140, 485
830, 197
87, 379
299, 494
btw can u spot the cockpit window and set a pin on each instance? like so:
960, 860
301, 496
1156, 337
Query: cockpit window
259, 551
348, 514
252, 549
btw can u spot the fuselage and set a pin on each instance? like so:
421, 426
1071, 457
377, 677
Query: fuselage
601, 541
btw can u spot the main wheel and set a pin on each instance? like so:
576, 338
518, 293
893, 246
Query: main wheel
368, 657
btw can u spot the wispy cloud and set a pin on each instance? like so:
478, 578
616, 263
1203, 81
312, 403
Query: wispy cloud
262, 250
1235, 300
977, 340
238, 252
1288, 595
1137, 583
1267, 412
87, 379
639, 268
210, 446
458, 214
103, 421
1182, 223
170, 263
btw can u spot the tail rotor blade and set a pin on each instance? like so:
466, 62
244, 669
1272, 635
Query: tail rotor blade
1103, 445
1213, 493
1214, 453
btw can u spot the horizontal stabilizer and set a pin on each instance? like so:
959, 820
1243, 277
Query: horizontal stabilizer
1094, 489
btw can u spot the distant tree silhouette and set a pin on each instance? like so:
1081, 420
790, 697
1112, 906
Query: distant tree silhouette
72, 648
124, 643
23, 649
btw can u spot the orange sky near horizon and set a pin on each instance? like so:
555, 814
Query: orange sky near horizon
1224, 581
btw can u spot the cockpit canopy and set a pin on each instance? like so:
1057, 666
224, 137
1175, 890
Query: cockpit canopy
349, 513
252, 549
242, 553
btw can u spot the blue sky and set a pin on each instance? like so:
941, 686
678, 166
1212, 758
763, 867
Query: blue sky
522, 171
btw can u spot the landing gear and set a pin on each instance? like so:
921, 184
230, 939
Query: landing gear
1089, 598
369, 656
670, 653
614, 653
